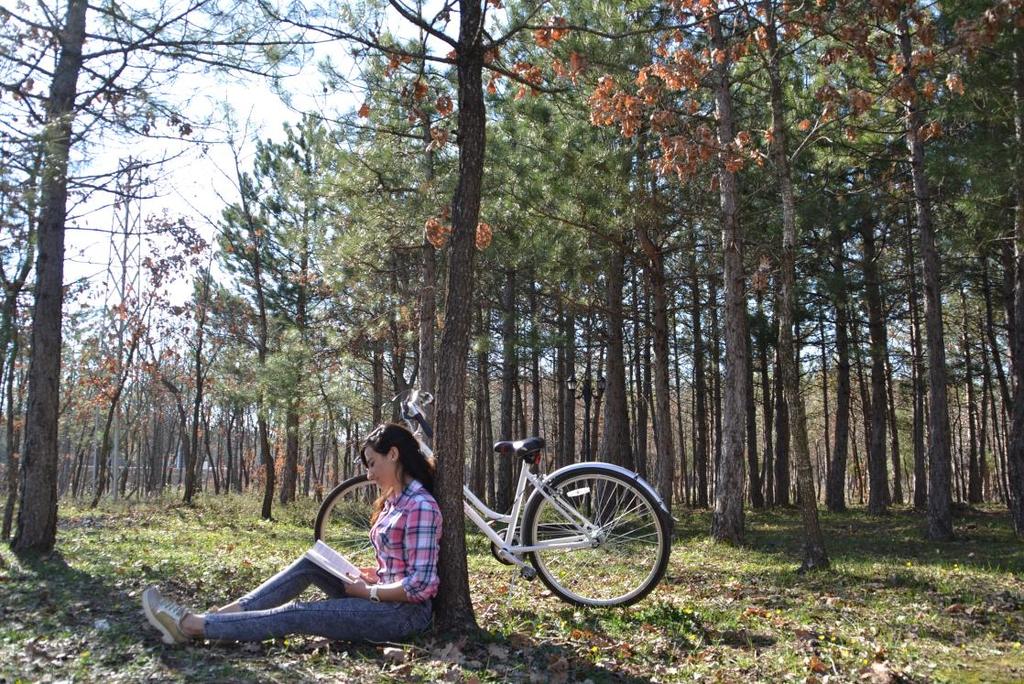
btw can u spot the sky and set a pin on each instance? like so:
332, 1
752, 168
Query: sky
199, 178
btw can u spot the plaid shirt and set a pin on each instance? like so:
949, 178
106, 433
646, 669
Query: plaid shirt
407, 536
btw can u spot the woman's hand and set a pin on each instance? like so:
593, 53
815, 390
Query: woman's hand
369, 575
385, 592
358, 589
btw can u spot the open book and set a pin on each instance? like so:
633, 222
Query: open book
333, 562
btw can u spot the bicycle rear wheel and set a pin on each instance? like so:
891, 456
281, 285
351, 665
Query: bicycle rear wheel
631, 544
343, 521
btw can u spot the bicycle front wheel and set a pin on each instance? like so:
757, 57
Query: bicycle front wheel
630, 536
343, 521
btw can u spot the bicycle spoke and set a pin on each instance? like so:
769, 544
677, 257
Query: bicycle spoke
345, 526
629, 547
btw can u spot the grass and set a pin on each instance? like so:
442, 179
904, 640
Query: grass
893, 608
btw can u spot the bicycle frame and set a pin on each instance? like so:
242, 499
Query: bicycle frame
477, 511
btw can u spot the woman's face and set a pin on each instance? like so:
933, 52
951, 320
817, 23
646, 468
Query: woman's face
382, 468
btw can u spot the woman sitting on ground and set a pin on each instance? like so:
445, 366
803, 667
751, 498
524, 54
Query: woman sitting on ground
387, 603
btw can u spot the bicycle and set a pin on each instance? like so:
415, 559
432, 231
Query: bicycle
595, 533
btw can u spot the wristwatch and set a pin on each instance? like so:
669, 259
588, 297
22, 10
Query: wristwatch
373, 593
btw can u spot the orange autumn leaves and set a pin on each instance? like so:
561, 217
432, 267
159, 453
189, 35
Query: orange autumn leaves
437, 233
671, 97
547, 35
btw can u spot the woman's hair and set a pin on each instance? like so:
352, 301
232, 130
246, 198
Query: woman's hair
411, 459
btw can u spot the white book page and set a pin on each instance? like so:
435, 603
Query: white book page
333, 562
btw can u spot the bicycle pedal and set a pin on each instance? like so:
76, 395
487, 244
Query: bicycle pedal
528, 574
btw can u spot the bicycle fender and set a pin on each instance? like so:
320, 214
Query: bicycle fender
632, 475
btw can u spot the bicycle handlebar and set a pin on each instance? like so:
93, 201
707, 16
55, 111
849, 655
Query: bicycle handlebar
411, 411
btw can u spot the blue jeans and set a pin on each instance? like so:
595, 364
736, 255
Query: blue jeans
266, 613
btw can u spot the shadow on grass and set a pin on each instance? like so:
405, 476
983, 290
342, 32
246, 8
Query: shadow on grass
984, 538
74, 615
877, 561
521, 657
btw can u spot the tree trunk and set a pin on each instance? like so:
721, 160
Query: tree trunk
508, 377
1015, 450
615, 442
715, 342
858, 474
878, 476
782, 437
940, 504
37, 511
484, 402
814, 555
768, 409
827, 418
897, 465
595, 419
428, 290
973, 466
700, 453
753, 473
662, 397
917, 384
209, 454
862, 385
11, 440
986, 391
638, 390
453, 608
535, 359
683, 465
290, 471
728, 522
568, 405
229, 447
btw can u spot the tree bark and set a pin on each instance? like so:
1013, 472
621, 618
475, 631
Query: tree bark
11, 439
878, 476
615, 444
973, 466
662, 398
753, 472
768, 409
782, 436
508, 376
639, 388
715, 344
1015, 450
428, 290
918, 386
290, 469
37, 511
700, 452
814, 555
568, 406
453, 607
728, 519
897, 464
940, 503
826, 407
484, 401
680, 425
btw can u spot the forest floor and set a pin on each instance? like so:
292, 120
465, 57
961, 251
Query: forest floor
893, 609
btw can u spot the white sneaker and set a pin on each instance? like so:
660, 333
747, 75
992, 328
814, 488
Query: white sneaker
165, 615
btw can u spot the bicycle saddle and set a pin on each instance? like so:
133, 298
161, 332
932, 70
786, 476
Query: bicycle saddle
523, 447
